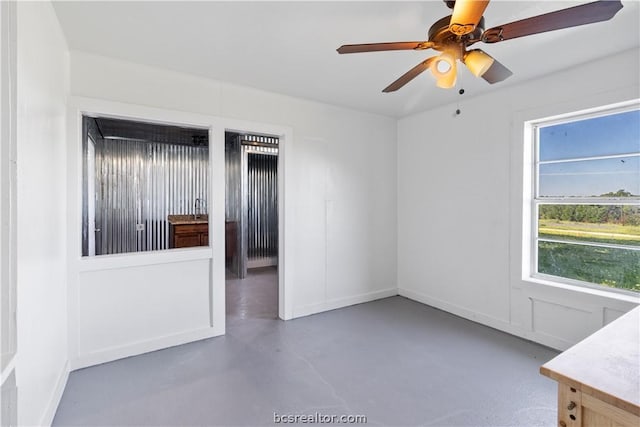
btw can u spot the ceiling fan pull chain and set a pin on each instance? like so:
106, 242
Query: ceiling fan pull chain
458, 111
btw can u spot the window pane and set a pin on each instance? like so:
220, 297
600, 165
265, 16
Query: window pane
616, 268
144, 187
614, 224
598, 136
590, 178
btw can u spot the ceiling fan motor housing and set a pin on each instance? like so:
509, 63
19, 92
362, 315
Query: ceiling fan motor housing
442, 37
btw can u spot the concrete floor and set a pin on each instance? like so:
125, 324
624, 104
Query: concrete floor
395, 361
255, 297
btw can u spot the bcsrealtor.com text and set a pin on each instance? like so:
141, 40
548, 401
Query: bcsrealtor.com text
318, 418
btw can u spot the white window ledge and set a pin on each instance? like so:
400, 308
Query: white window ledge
569, 285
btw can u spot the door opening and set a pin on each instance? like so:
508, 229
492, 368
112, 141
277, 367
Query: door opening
251, 226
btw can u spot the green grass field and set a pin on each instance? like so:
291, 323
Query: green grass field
613, 267
584, 231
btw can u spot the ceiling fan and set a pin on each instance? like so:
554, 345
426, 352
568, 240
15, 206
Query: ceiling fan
454, 34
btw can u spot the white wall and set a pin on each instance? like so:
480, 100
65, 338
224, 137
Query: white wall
125, 304
340, 185
41, 366
460, 203
8, 209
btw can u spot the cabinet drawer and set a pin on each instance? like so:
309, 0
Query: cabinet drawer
185, 240
189, 235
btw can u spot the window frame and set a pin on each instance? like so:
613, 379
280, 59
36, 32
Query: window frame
97, 113
532, 134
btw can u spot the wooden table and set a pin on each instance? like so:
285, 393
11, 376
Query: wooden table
599, 378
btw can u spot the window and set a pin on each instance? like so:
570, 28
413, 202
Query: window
145, 186
586, 202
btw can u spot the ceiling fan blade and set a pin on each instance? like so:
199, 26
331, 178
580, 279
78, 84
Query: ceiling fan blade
466, 15
409, 75
377, 47
589, 13
496, 73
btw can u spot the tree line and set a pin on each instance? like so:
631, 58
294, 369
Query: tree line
614, 214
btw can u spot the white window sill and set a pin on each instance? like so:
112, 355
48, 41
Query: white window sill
576, 286
138, 259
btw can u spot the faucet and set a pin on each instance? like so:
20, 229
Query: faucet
198, 207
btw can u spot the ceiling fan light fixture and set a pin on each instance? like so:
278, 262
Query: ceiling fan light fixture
466, 14
445, 79
478, 62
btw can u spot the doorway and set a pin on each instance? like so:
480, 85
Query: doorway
251, 226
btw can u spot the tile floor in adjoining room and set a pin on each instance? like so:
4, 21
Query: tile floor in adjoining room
395, 361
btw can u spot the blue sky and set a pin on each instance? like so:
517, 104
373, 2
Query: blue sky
601, 136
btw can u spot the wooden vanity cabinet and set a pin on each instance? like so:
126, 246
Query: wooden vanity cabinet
189, 235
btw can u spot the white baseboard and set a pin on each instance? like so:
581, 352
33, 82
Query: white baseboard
262, 262
465, 313
134, 349
333, 304
56, 396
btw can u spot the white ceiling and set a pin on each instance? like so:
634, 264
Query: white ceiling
289, 47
